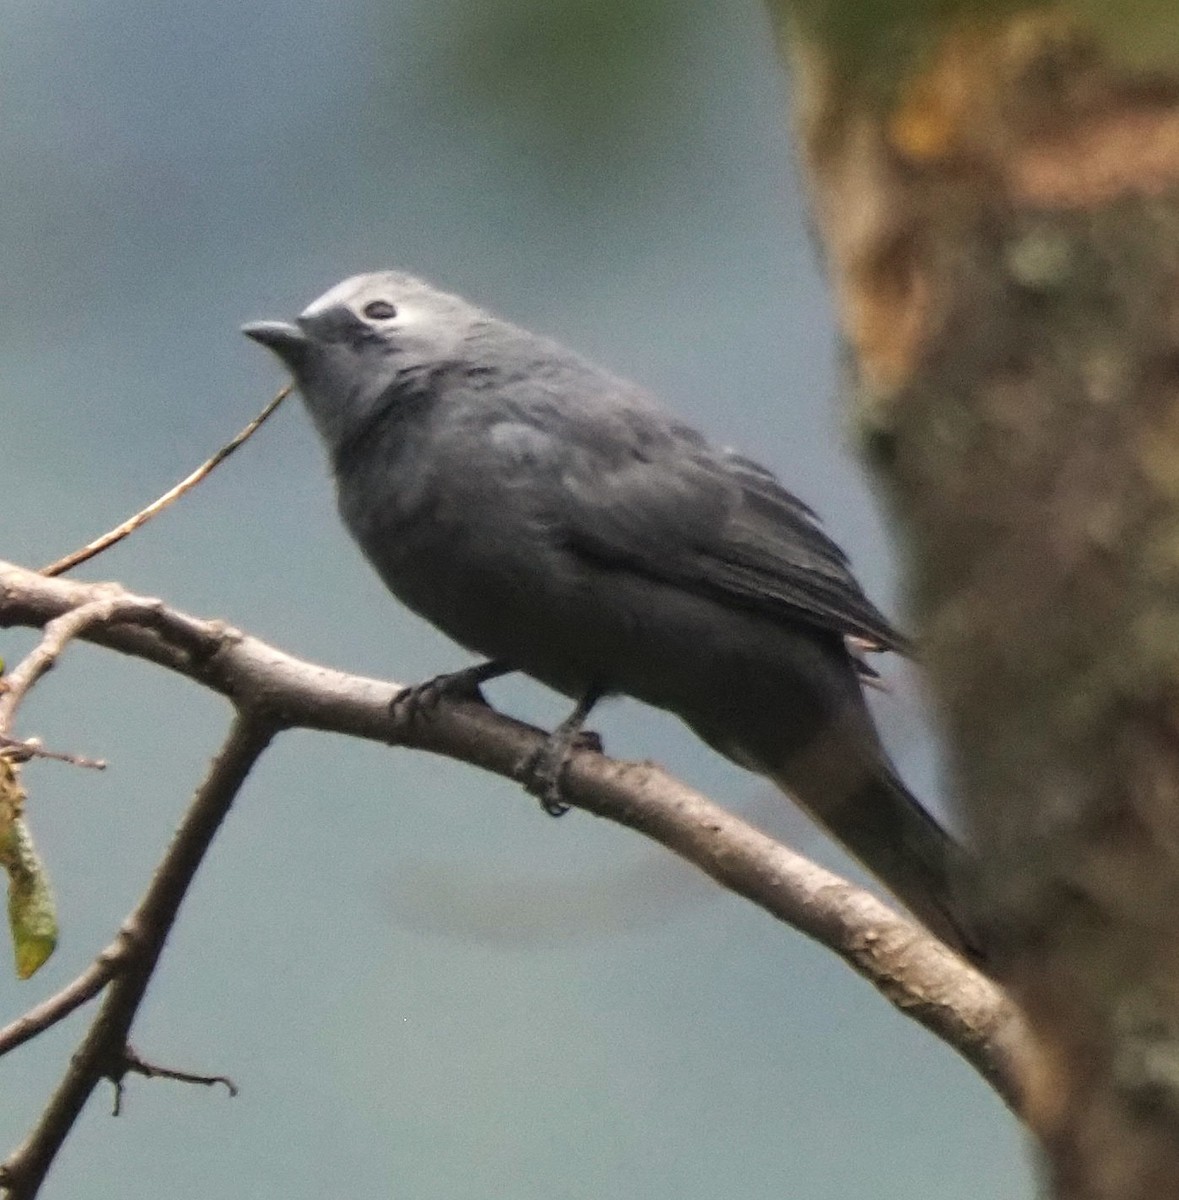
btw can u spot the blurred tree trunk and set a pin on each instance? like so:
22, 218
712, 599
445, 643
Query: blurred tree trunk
997, 189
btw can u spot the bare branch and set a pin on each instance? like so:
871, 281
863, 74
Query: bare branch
104, 609
142, 517
59, 1006
23, 749
57, 634
135, 1064
103, 1052
914, 971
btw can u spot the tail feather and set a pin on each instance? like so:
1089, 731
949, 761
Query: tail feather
883, 825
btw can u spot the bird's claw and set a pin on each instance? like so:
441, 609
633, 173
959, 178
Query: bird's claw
540, 771
589, 741
419, 700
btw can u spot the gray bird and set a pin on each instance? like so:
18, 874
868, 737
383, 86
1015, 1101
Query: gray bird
558, 521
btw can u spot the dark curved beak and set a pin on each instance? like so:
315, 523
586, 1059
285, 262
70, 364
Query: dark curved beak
289, 342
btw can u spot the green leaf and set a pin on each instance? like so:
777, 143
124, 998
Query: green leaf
32, 915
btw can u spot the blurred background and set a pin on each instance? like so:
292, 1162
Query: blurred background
424, 987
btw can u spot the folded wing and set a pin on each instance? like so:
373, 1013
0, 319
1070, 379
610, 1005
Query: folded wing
664, 504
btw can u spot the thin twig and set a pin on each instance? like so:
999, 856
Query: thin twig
56, 635
22, 749
103, 1051
76, 993
135, 1064
107, 605
174, 493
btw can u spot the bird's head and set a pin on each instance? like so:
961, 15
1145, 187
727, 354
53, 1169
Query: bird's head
365, 338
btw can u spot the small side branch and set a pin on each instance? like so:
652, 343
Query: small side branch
103, 1052
59, 1006
135, 1064
56, 635
107, 606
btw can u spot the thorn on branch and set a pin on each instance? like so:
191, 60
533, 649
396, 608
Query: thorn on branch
131, 1062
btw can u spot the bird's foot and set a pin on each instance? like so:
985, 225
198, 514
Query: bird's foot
419, 700
540, 772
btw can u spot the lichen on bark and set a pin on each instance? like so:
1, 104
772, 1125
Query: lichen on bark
998, 197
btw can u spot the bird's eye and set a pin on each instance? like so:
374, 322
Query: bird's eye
379, 310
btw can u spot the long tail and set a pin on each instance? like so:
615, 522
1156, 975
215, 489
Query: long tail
884, 825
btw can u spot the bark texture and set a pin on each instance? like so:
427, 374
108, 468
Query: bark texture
997, 190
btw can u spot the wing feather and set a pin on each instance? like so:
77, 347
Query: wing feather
668, 506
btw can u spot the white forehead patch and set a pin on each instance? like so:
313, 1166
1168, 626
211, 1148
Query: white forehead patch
342, 293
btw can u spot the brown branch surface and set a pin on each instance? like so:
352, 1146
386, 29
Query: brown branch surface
915, 972
998, 193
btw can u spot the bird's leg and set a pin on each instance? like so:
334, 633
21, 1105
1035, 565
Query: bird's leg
419, 698
541, 772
